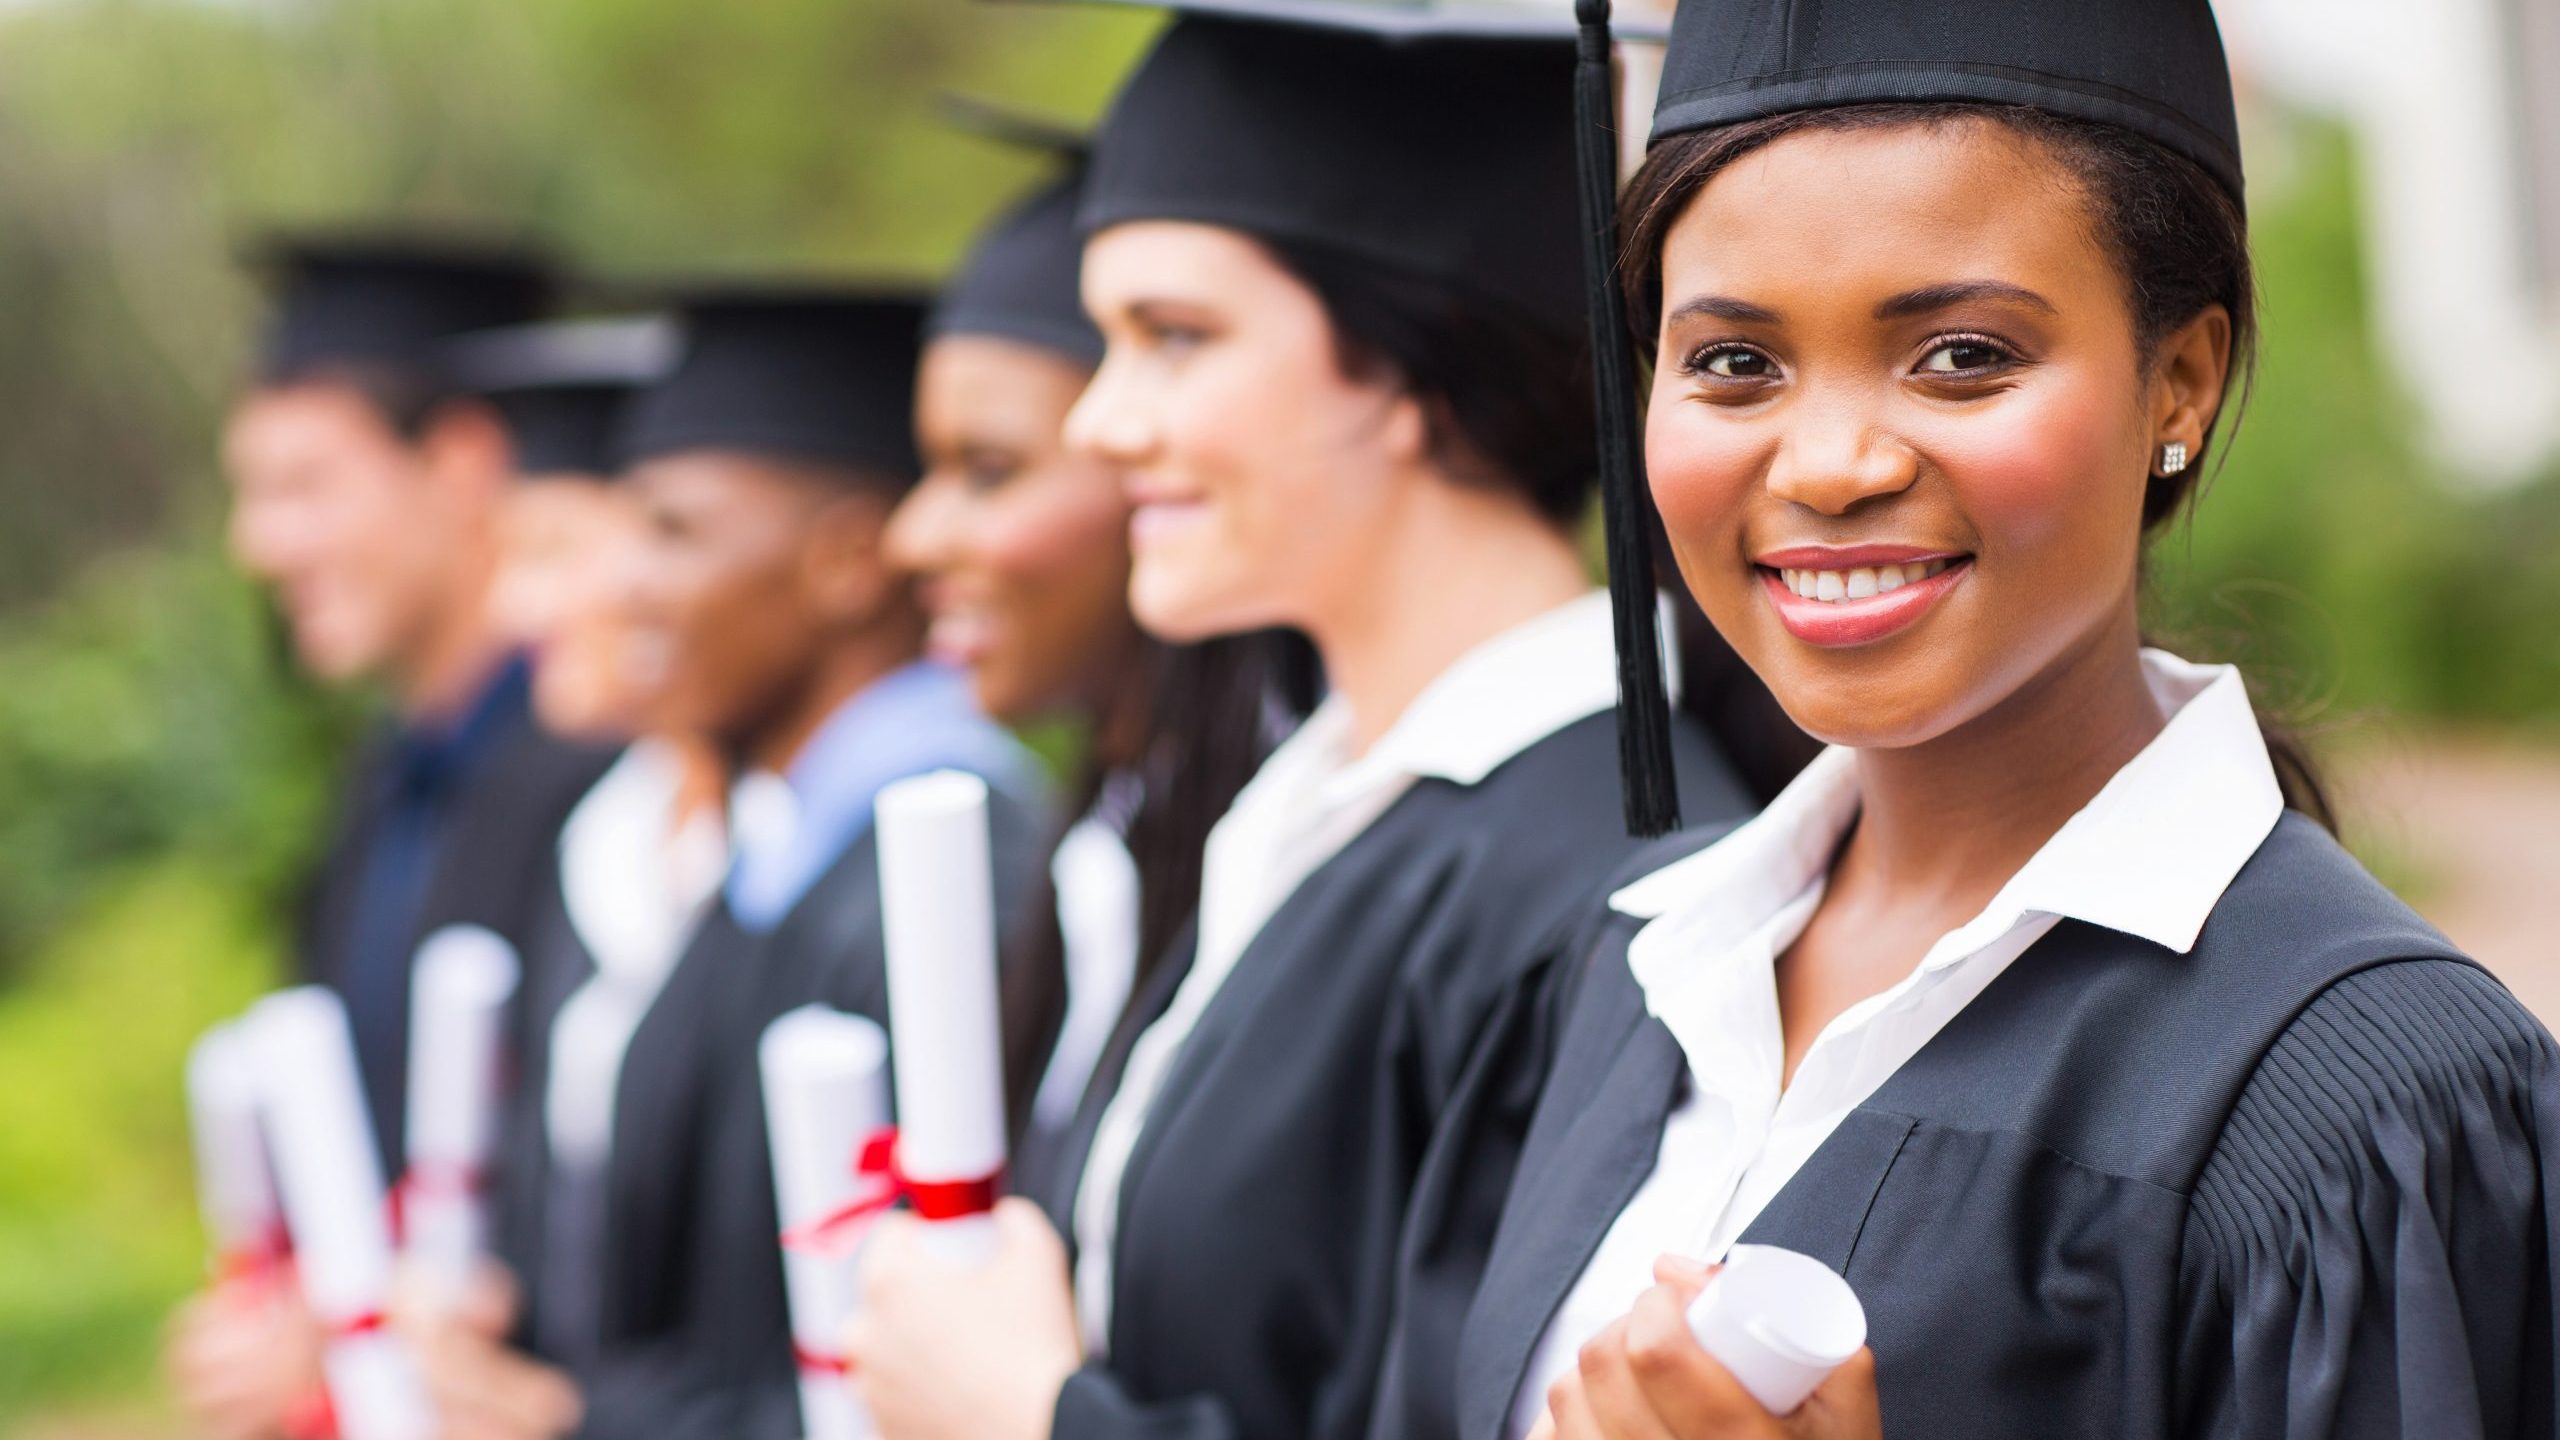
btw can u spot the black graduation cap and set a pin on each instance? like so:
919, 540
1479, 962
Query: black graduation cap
385, 300
805, 372
2154, 67
1021, 278
1426, 137
562, 387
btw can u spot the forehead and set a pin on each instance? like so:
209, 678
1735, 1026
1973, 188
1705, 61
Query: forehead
1862, 212
1143, 258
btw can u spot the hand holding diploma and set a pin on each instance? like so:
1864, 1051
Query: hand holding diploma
1648, 1376
956, 1348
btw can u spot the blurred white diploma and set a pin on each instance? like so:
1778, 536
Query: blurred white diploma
826, 1107
459, 990
937, 901
234, 1180
1780, 1320
330, 1180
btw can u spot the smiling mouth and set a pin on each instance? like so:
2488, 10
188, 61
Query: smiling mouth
1864, 582
1846, 605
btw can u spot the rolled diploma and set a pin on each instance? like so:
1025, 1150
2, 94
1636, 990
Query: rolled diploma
331, 1184
826, 1092
937, 900
1780, 1320
242, 1216
459, 990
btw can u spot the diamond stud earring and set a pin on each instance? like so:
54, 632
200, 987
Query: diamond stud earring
2173, 457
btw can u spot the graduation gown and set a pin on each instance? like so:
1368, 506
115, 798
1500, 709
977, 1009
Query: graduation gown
455, 830
693, 1331
1398, 989
2297, 1182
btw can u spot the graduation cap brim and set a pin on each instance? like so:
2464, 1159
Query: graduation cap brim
1392, 20
1009, 125
799, 369
387, 298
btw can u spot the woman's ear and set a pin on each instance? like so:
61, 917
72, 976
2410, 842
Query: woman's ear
2193, 367
845, 566
466, 449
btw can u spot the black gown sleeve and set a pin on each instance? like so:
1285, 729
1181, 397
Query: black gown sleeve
1460, 1055
2369, 1248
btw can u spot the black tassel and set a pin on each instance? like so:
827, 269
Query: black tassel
1644, 701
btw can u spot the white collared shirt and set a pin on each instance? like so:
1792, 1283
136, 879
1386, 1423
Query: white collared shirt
1097, 883
2150, 855
634, 884
1308, 801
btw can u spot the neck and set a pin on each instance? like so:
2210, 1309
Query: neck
1958, 815
1458, 567
845, 669
452, 665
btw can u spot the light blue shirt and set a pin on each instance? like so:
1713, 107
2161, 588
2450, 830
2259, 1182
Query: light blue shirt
789, 830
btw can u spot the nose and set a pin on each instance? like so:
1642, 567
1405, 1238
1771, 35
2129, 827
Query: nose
1108, 422
1835, 458
924, 528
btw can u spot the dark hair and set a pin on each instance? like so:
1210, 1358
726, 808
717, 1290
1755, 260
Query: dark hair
2180, 240
1509, 396
1208, 713
1511, 406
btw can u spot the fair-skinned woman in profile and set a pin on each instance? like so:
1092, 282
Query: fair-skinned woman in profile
1346, 390
2043, 1006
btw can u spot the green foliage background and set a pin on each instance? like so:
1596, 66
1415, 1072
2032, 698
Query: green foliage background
162, 776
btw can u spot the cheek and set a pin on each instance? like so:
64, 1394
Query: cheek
2051, 480
1703, 471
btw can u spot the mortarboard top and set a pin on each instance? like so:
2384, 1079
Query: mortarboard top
2154, 67
562, 387
1020, 279
1429, 138
811, 372
385, 299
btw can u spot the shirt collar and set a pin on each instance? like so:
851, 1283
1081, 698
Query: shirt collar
1500, 698
788, 830
430, 755
2149, 856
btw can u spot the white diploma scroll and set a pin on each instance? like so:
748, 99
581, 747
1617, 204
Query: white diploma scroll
1780, 1321
243, 1219
826, 1097
937, 898
330, 1181
458, 996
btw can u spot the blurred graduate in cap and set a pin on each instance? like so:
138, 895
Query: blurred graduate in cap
649, 1292
1023, 547
641, 854
1333, 257
2043, 1006
369, 490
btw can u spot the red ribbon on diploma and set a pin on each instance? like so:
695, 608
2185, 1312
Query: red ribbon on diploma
835, 1232
261, 1260
818, 1363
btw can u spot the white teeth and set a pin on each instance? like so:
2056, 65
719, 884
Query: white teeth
1859, 584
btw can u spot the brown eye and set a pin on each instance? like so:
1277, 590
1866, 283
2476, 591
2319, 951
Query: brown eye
1733, 363
1962, 357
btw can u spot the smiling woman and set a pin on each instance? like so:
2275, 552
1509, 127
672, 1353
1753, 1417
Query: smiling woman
2038, 1006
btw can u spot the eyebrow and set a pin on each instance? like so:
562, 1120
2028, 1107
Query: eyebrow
1930, 298
1723, 307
